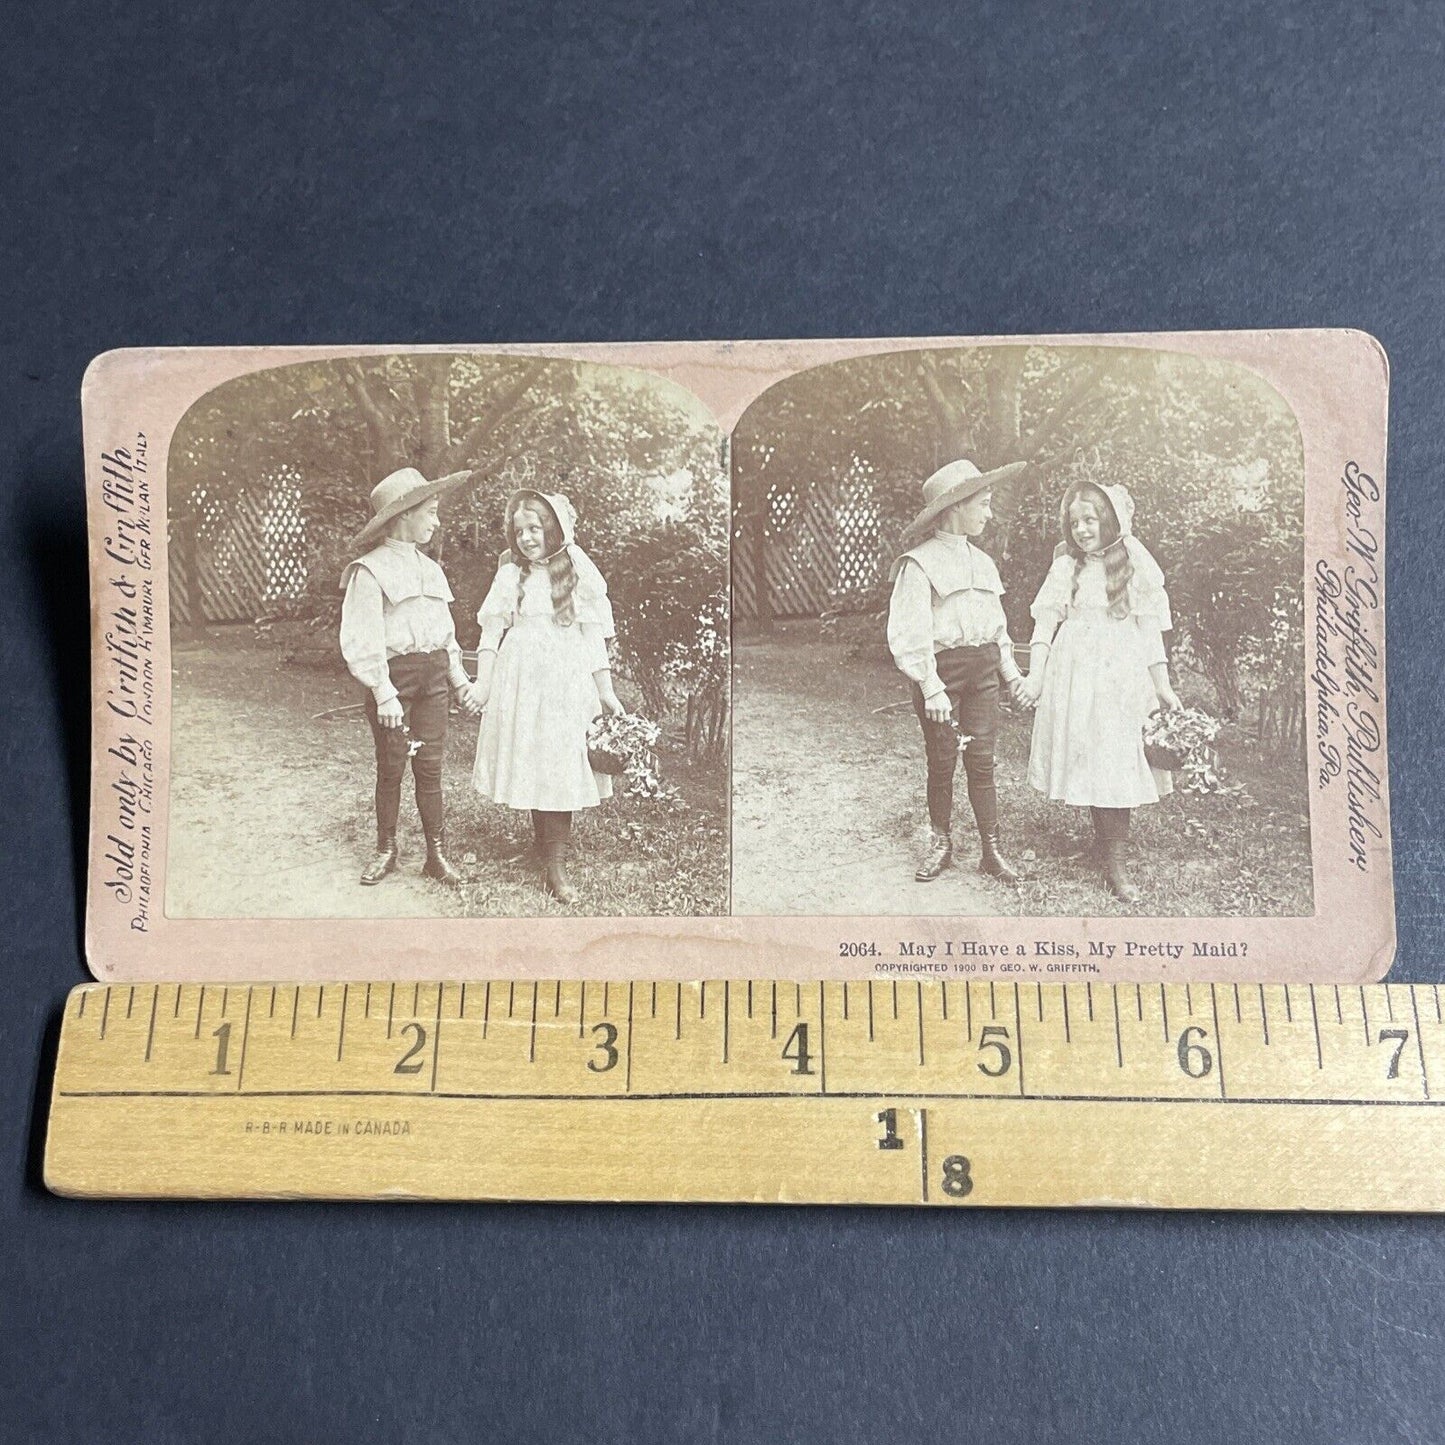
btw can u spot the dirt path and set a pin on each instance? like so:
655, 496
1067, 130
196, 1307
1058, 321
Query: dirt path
261, 828
272, 811
828, 792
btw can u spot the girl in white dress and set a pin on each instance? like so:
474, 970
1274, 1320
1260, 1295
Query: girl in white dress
1097, 669
543, 675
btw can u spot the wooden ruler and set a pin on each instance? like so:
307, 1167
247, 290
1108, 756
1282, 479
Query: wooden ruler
882, 1092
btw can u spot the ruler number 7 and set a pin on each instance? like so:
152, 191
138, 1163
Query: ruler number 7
1401, 1038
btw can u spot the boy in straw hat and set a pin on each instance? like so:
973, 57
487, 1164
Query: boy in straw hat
400, 643
948, 635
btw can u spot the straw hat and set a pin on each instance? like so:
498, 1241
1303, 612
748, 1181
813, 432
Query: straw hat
399, 493
947, 487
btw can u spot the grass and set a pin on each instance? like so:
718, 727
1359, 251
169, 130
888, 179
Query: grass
630, 856
1242, 854
1212, 855
268, 777
264, 778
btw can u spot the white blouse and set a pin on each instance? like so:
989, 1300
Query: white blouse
591, 608
925, 618
1146, 598
396, 603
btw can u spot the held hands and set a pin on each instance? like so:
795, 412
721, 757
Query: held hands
388, 713
472, 699
1025, 689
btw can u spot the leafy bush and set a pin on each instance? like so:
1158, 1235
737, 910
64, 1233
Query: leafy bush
669, 594
285, 459
1211, 454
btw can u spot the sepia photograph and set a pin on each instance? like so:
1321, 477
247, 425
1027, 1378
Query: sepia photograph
985, 657
449, 638
1019, 630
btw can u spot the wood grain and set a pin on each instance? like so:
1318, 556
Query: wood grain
890, 1092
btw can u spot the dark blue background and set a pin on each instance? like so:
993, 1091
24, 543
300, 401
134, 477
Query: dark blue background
222, 174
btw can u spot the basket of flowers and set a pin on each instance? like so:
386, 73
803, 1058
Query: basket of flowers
606, 752
1182, 741
625, 747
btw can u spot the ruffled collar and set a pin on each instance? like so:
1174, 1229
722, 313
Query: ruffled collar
952, 563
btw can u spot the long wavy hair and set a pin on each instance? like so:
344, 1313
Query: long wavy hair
1118, 569
560, 571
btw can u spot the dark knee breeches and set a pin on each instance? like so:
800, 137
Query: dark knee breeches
420, 680
972, 679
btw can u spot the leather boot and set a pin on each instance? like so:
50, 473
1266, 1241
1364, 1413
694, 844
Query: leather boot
554, 857
382, 864
936, 858
436, 865
993, 862
1116, 871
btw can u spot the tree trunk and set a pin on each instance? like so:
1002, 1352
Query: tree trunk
433, 405
388, 445
954, 435
1222, 672
1005, 371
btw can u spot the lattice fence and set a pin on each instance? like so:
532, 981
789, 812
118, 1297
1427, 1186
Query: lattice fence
234, 559
818, 541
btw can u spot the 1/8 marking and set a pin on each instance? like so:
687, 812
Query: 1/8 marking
889, 1119
957, 1183
955, 1175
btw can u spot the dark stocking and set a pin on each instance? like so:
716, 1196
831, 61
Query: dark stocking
390, 765
940, 746
426, 772
1111, 825
556, 847
982, 794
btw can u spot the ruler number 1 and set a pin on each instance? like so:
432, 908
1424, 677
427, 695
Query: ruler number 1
891, 1139
223, 1037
